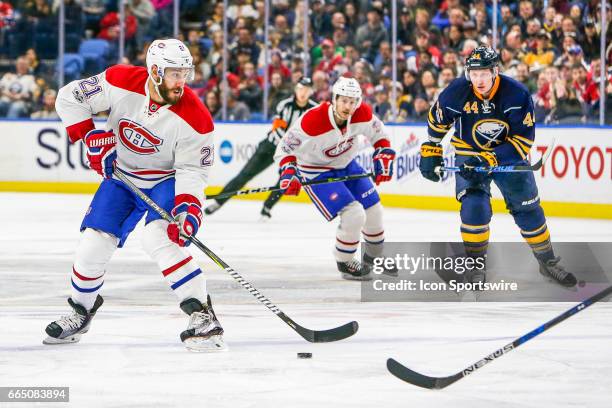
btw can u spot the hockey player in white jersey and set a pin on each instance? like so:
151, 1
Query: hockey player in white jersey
323, 144
160, 135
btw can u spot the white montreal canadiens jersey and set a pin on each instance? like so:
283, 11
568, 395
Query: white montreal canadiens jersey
317, 144
153, 144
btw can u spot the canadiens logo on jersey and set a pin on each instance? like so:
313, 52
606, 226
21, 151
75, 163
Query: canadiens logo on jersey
138, 139
342, 147
489, 133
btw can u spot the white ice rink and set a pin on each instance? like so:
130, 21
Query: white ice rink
132, 357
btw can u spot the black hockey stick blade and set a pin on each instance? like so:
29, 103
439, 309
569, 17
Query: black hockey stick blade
435, 383
424, 381
327, 336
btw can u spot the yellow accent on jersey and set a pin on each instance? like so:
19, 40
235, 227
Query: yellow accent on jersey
494, 89
471, 107
518, 148
524, 140
437, 127
490, 158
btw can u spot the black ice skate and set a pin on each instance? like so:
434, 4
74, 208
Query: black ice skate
266, 215
204, 333
369, 260
551, 269
68, 329
355, 270
212, 208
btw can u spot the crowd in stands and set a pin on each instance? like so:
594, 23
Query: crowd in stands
554, 50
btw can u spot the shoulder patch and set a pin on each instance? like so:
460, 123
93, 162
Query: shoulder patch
362, 114
191, 109
128, 77
315, 121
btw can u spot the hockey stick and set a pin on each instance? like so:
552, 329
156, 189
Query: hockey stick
436, 383
505, 169
313, 336
274, 188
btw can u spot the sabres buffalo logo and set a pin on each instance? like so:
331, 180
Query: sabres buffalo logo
342, 147
489, 133
138, 139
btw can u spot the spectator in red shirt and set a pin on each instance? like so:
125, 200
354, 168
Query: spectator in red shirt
587, 90
330, 57
277, 65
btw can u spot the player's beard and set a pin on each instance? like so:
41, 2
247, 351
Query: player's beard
168, 95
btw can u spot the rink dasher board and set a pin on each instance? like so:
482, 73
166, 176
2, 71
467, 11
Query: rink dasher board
35, 156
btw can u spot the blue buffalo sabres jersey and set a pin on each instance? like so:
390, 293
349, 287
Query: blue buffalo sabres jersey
503, 124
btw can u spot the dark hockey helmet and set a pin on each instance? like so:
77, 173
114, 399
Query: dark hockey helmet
481, 57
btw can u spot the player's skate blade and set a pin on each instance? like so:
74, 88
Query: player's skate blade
205, 345
75, 338
355, 270
68, 329
204, 333
557, 273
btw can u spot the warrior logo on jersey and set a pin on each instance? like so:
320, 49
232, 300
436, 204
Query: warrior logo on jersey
489, 133
342, 147
138, 139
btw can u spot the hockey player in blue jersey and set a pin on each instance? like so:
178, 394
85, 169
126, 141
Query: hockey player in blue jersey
494, 125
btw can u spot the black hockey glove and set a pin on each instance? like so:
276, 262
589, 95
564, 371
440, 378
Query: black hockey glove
482, 159
431, 157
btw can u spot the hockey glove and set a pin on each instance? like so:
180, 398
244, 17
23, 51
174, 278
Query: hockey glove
101, 151
383, 164
431, 157
482, 159
187, 213
289, 181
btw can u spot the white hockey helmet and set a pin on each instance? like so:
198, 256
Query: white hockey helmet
346, 86
169, 53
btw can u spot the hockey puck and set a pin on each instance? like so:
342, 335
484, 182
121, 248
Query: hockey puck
304, 355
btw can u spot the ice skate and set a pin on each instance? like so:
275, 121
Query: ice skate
355, 270
68, 329
212, 208
204, 333
392, 271
551, 269
266, 216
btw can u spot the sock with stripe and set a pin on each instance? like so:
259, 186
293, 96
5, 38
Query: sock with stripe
475, 214
533, 227
475, 239
180, 271
94, 251
352, 218
539, 241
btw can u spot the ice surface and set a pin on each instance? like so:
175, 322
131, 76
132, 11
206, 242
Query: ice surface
133, 356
